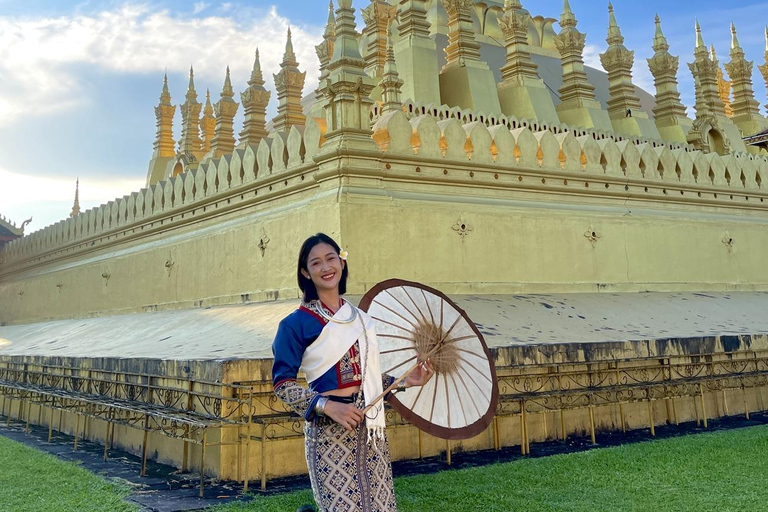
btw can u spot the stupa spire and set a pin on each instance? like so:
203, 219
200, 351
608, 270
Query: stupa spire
207, 122
764, 68
670, 116
190, 142
578, 106
699, 37
416, 53
164, 112
465, 80
614, 31
226, 108
462, 45
391, 84
289, 83
346, 91
325, 49
377, 17
746, 109
255, 100
704, 71
712, 130
76, 206
164, 147
522, 93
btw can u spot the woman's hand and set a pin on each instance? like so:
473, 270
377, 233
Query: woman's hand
346, 415
420, 375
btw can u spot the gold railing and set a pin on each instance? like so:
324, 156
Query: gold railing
175, 407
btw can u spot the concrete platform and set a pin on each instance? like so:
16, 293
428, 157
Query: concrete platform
247, 331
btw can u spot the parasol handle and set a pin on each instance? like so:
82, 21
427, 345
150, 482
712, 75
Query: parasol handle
390, 388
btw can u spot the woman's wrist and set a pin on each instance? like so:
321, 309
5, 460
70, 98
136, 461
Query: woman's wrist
320, 405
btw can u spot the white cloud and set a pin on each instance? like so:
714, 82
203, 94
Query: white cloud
39, 57
199, 7
23, 196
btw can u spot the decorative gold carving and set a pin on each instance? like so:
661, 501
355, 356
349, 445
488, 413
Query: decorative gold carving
462, 45
518, 66
729, 242
263, 242
592, 235
377, 16
462, 228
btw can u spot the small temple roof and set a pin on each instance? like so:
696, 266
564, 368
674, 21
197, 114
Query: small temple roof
9, 231
759, 139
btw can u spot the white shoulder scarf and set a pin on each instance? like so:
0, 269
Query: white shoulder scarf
334, 341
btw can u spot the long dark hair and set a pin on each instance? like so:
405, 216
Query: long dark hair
306, 285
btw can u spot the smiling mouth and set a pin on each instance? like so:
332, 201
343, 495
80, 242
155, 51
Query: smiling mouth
328, 277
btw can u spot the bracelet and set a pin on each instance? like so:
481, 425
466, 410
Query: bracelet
401, 388
320, 406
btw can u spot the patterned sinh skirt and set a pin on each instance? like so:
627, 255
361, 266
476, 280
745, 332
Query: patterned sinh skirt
348, 473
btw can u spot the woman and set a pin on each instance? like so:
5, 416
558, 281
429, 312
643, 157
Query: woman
335, 345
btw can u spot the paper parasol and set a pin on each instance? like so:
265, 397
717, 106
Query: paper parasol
413, 321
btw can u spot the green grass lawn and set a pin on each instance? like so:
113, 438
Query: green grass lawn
719, 472
725, 471
32, 481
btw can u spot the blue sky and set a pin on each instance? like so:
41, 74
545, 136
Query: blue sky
79, 79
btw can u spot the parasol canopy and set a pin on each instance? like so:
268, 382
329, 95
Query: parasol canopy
415, 322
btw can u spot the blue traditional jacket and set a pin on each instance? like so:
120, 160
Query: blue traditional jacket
295, 333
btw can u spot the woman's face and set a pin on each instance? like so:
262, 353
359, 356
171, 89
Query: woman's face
324, 267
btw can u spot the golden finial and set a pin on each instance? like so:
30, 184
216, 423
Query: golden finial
76, 206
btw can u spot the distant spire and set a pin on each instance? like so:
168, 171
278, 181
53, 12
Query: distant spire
699, 37
289, 55
618, 61
712, 53
669, 113
347, 114
255, 100
567, 18
164, 145
191, 79
570, 43
76, 206
704, 70
224, 139
660, 41
377, 17
325, 49
207, 122
462, 44
764, 68
165, 96
745, 108
191, 142
330, 24
208, 110
391, 83
289, 83
614, 32
734, 39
